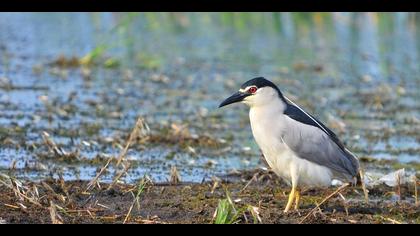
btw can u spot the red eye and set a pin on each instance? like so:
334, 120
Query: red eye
252, 90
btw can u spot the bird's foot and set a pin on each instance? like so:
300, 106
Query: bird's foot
294, 197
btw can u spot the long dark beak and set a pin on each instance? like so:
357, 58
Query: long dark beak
237, 97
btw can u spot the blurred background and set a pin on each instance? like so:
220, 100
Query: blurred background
73, 84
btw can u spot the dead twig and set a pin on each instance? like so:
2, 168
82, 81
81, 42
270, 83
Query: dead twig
11, 206
254, 178
124, 171
95, 180
323, 201
139, 128
391, 220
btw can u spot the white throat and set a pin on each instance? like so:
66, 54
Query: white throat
272, 106
266, 118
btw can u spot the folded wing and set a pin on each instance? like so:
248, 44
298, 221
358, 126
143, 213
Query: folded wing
313, 141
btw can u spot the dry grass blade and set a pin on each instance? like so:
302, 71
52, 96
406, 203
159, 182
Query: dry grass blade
21, 194
175, 177
48, 187
11, 206
323, 201
346, 207
150, 222
254, 178
55, 218
128, 213
95, 180
391, 220
6, 181
52, 146
416, 197
255, 212
140, 188
124, 171
140, 129
216, 182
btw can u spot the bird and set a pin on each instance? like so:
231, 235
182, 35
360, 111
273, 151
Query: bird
298, 147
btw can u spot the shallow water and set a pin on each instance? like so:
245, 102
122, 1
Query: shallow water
357, 72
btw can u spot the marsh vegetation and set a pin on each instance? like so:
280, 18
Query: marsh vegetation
112, 117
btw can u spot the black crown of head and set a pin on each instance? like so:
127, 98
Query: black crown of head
261, 82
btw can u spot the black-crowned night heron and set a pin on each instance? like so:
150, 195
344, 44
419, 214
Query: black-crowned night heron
297, 146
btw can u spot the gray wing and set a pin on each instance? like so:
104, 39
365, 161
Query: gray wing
315, 145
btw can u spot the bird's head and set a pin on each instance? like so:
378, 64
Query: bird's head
255, 92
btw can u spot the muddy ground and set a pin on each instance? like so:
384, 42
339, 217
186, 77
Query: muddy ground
55, 201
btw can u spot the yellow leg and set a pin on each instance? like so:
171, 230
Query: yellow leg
291, 198
297, 199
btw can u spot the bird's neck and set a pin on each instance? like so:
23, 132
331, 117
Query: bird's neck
273, 108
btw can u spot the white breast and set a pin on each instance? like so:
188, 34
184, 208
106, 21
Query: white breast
267, 127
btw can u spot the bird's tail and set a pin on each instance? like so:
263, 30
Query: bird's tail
356, 173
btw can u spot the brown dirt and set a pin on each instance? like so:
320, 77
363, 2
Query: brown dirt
196, 203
